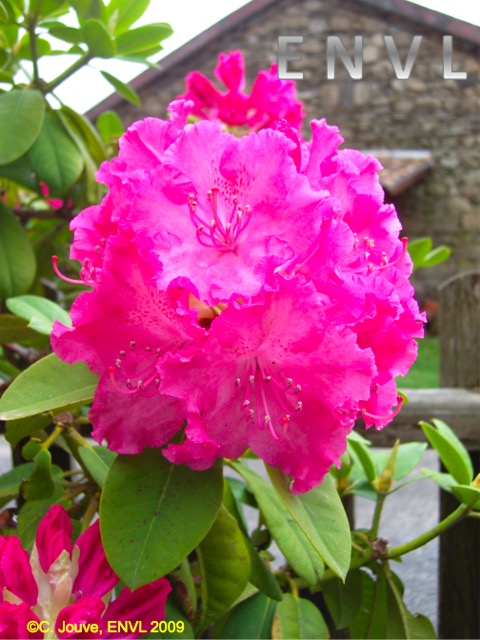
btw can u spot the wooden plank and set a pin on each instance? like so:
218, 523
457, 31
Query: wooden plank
459, 566
459, 408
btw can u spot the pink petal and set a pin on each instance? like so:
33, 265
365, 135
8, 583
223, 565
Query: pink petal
82, 614
95, 576
14, 619
15, 571
54, 535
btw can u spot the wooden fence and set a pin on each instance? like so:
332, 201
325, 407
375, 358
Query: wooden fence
457, 403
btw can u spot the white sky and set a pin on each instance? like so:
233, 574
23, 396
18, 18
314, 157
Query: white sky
187, 18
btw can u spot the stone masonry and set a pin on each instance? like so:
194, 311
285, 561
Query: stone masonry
425, 111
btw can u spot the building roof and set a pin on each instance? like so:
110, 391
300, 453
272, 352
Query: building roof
415, 13
401, 167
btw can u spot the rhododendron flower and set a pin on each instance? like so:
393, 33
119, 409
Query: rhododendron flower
65, 586
270, 99
254, 289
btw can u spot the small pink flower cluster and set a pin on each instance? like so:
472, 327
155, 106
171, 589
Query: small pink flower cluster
67, 587
270, 98
254, 288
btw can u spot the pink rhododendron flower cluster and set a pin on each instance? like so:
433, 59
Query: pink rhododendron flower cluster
270, 98
254, 288
67, 588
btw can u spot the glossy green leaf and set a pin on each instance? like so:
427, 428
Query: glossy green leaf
98, 40
65, 33
185, 588
16, 430
86, 9
98, 461
11, 480
173, 613
467, 495
343, 600
110, 126
40, 312
33, 512
321, 516
298, 618
124, 13
123, 89
251, 619
143, 38
44, 8
224, 564
409, 454
20, 172
371, 618
437, 256
48, 384
400, 622
260, 575
291, 540
78, 125
418, 249
40, 485
145, 503
54, 157
17, 259
21, 119
450, 449
13, 329
43, 48
364, 456
444, 480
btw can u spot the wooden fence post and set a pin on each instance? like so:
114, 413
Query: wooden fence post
459, 562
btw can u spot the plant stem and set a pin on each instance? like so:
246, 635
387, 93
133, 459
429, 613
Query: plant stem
461, 512
34, 53
377, 514
46, 444
81, 62
90, 512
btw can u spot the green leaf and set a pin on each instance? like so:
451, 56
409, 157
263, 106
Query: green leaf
467, 495
110, 126
67, 34
371, 619
418, 249
290, 538
436, 256
76, 124
343, 600
364, 456
173, 613
10, 482
145, 503
13, 329
21, 119
250, 619
260, 575
123, 89
450, 449
321, 516
17, 259
143, 38
86, 9
44, 48
48, 384
98, 40
123, 13
54, 157
409, 455
298, 618
20, 172
16, 430
444, 480
224, 564
40, 312
98, 461
400, 622
40, 485
33, 512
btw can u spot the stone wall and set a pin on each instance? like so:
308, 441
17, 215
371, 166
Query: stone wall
379, 111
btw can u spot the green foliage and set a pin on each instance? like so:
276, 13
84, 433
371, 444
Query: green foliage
40, 312
298, 618
423, 255
17, 259
146, 501
450, 449
21, 118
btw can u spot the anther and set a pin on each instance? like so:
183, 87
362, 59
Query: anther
299, 406
118, 363
237, 381
148, 348
251, 379
266, 419
268, 378
132, 344
289, 383
246, 404
297, 389
122, 354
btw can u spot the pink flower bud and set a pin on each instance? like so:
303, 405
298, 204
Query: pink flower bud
95, 576
82, 619
15, 572
14, 619
54, 535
